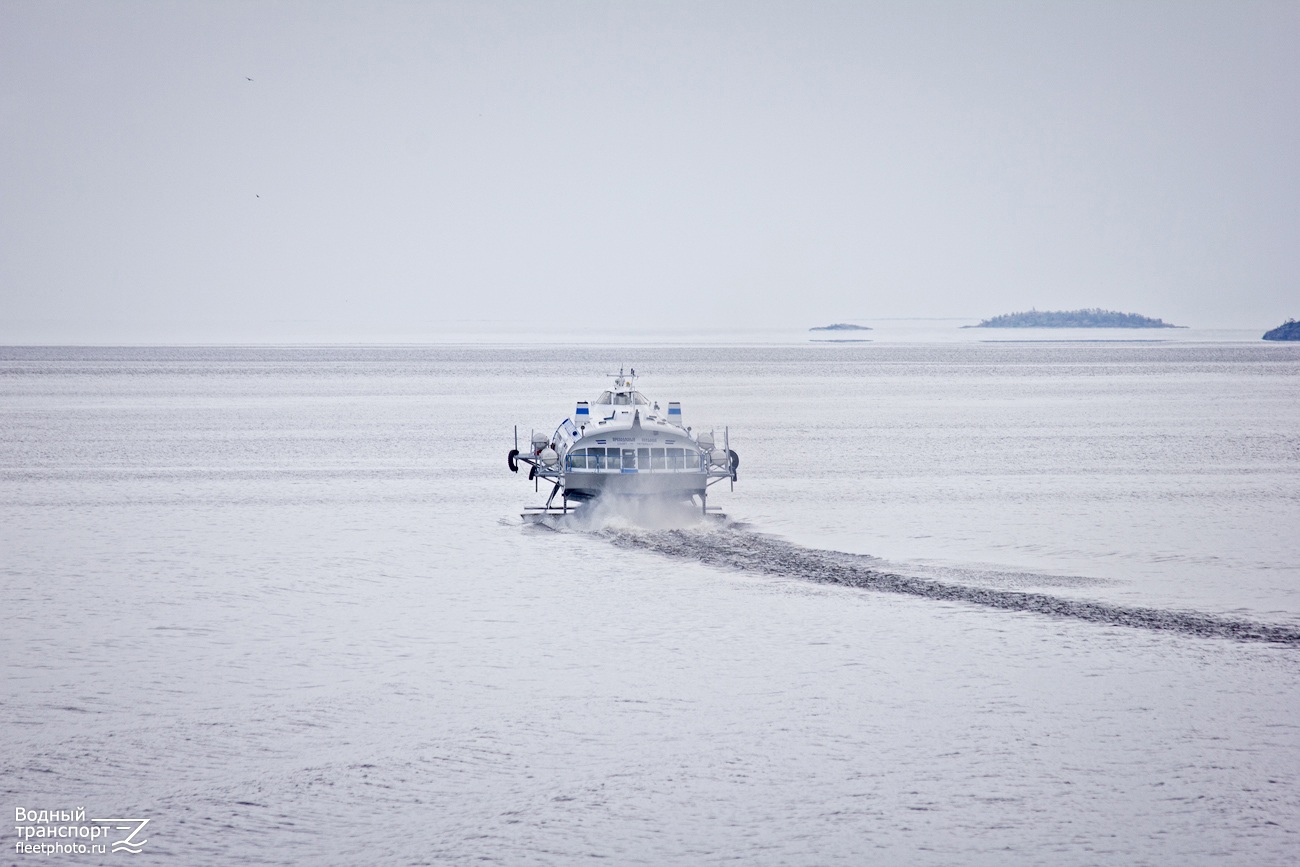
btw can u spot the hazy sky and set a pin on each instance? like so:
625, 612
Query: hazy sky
400, 169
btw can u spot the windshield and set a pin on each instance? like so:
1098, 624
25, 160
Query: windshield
623, 398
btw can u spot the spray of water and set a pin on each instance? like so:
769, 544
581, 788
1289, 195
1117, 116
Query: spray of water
612, 514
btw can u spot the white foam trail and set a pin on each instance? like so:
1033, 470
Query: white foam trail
735, 548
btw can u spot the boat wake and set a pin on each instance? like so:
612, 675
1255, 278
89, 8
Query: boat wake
731, 546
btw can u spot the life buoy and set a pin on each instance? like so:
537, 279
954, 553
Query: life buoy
510, 460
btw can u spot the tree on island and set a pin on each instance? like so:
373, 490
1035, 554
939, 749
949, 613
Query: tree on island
1090, 318
1289, 330
840, 326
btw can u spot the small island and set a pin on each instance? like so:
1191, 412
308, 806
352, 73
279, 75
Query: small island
1093, 318
1289, 330
840, 326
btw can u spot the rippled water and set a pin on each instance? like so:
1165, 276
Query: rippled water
975, 604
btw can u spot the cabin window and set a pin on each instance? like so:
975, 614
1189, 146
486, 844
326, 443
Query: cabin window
639, 399
605, 398
598, 458
647, 459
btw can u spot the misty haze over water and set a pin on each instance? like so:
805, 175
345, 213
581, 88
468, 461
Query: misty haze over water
279, 600
279, 281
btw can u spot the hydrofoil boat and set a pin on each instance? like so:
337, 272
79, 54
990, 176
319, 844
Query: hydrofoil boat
625, 445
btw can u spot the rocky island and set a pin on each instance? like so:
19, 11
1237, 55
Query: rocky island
840, 326
1093, 318
1289, 330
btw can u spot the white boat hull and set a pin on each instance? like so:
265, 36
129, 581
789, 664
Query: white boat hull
634, 483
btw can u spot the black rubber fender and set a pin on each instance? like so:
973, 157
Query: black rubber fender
735, 462
510, 460
532, 474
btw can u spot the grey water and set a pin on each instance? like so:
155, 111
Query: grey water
974, 603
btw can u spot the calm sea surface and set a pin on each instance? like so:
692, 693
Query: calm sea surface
976, 603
